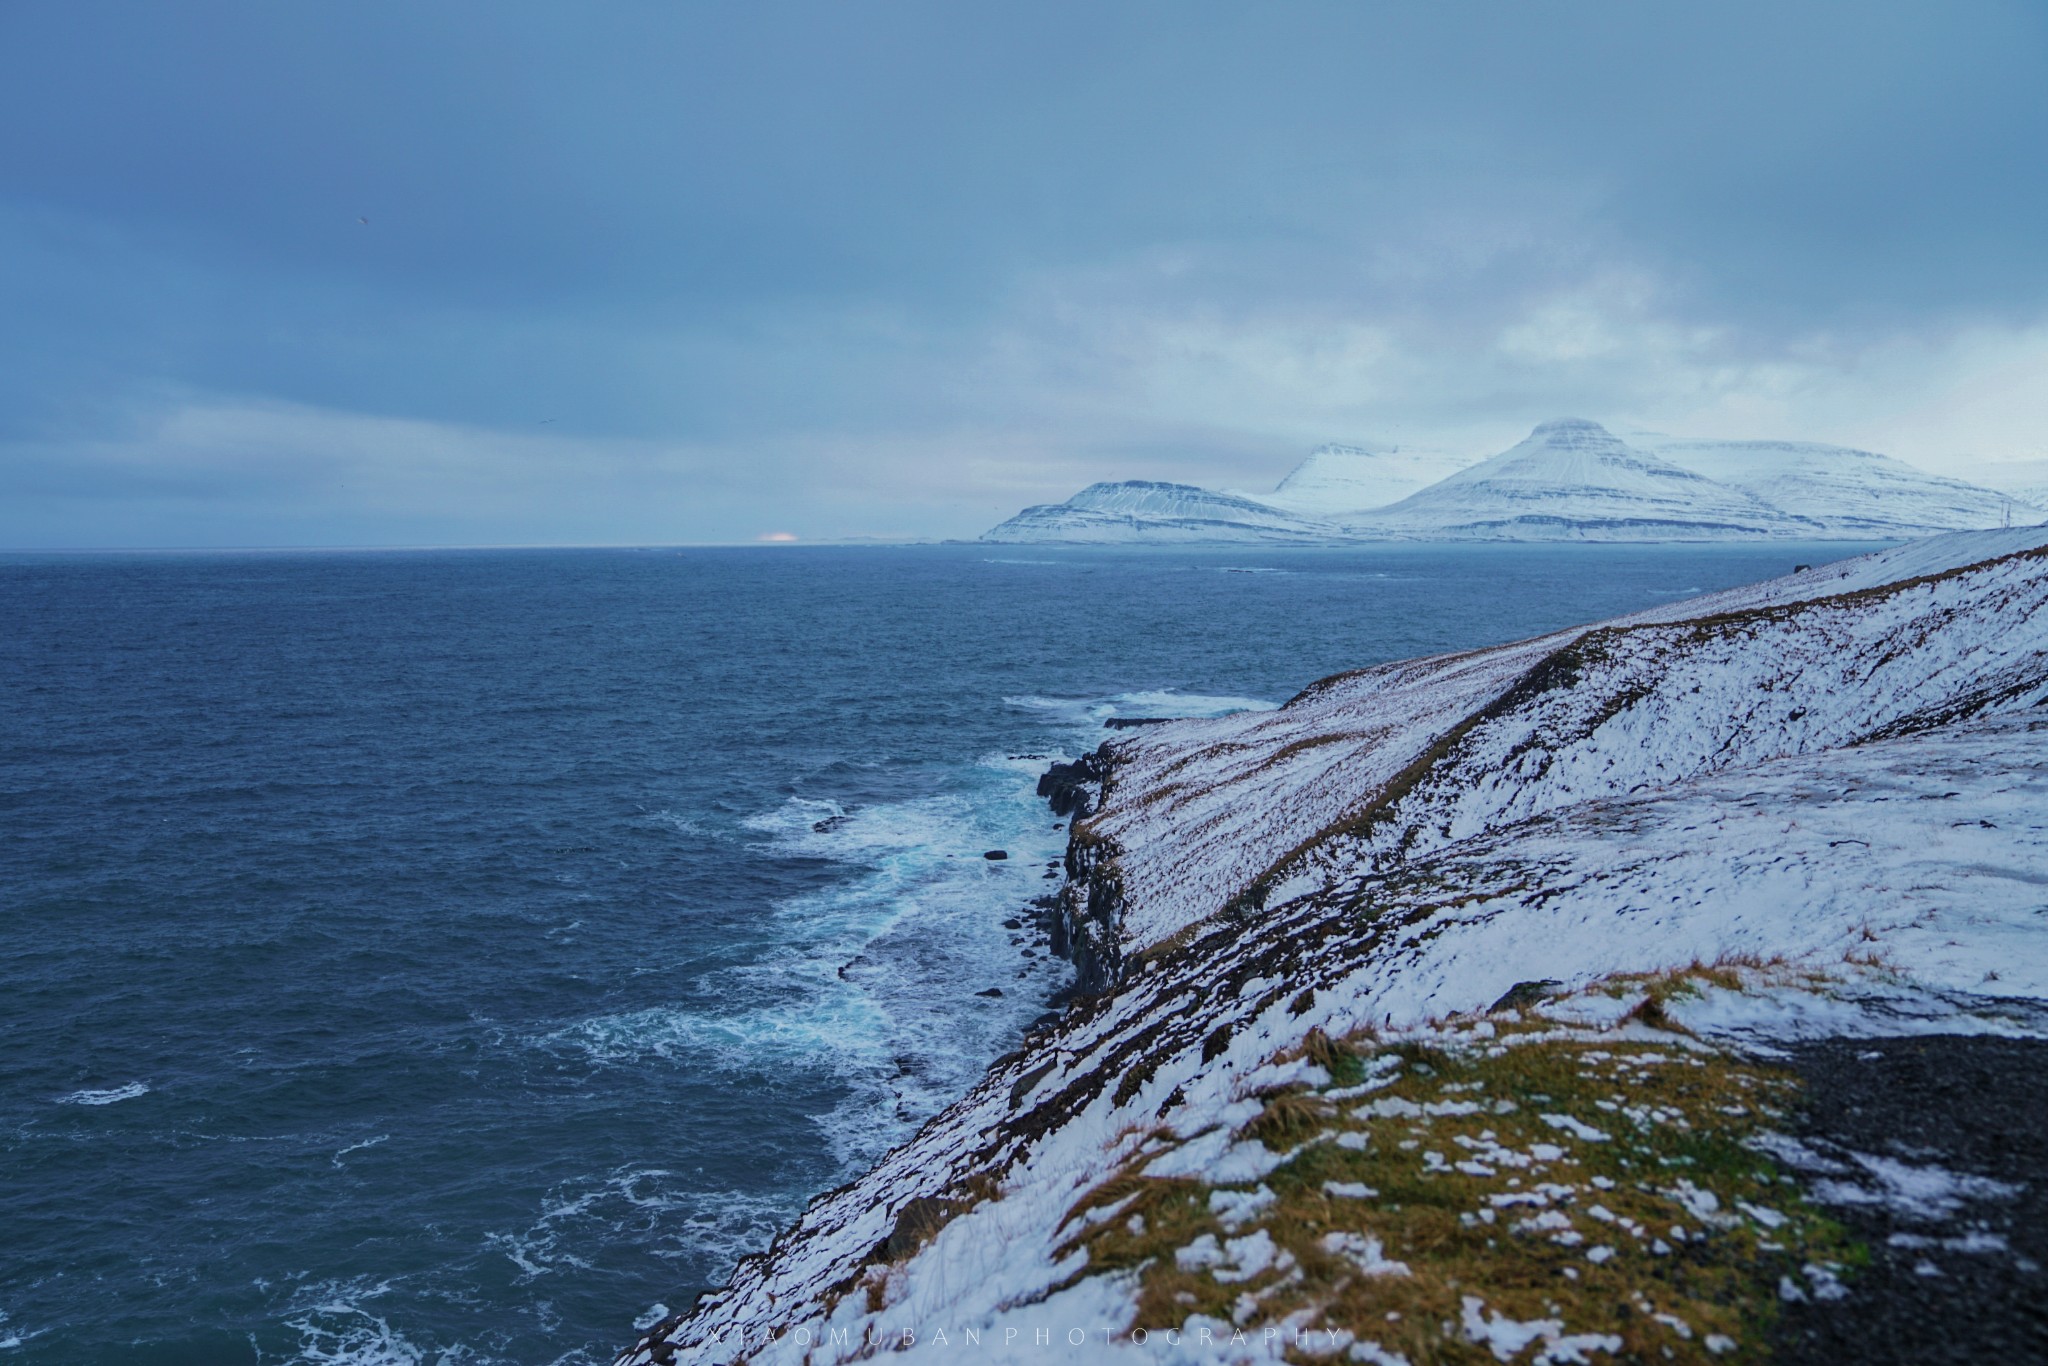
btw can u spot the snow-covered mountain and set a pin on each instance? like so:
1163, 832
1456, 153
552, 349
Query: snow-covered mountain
1433, 1003
1573, 480
1335, 480
1139, 510
2024, 481
1841, 490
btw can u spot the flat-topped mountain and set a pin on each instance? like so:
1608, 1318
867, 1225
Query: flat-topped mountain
1570, 480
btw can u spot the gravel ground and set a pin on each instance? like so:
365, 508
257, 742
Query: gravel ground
1956, 1272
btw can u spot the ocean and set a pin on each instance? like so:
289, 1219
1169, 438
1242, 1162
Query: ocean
463, 956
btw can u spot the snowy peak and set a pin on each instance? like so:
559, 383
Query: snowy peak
1572, 451
1325, 461
1335, 479
1575, 432
1572, 479
1144, 510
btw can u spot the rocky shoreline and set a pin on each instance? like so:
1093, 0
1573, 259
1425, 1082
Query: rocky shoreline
1086, 913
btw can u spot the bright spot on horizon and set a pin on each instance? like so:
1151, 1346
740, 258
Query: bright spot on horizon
779, 537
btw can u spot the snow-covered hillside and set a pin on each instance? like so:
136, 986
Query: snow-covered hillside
1844, 491
1140, 510
1337, 480
1202, 813
1574, 480
1469, 958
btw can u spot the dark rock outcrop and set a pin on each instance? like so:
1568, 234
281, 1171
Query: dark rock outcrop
1074, 789
1087, 929
1084, 920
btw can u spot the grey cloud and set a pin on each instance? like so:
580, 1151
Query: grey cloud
1088, 239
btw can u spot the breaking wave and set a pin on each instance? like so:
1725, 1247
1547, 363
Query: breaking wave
113, 1096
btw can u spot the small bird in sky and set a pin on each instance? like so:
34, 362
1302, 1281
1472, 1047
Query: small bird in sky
364, 221
543, 422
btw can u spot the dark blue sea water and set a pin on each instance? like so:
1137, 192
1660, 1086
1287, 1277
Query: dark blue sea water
457, 957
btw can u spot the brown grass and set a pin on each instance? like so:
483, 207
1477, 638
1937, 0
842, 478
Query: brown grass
1669, 1113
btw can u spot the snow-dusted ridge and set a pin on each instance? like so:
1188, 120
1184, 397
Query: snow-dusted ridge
1145, 511
1844, 773
1574, 480
1570, 480
1843, 491
1335, 480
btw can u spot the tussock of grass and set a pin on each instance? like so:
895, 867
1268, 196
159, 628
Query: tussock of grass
1340, 1060
1288, 1118
1599, 1184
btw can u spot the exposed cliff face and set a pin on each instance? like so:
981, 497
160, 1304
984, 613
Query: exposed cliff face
1087, 914
1088, 924
1464, 958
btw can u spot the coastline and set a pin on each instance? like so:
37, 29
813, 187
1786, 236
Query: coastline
1210, 912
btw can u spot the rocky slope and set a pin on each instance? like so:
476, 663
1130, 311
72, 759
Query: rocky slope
1439, 1008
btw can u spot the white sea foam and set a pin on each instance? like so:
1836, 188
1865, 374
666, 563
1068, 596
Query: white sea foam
930, 828
358, 1147
714, 1226
13, 1337
674, 820
877, 985
108, 1097
771, 1038
899, 983
336, 1329
1155, 704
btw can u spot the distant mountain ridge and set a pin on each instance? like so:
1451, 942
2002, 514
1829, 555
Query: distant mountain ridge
1848, 491
1148, 511
1570, 480
1574, 480
1349, 478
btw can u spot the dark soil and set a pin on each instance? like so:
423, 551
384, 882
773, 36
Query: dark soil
1969, 1105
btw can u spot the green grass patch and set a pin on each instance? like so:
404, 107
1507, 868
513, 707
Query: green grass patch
1501, 1172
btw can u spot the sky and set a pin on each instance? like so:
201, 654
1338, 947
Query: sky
373, 273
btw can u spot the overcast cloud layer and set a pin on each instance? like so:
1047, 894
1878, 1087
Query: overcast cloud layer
660, 272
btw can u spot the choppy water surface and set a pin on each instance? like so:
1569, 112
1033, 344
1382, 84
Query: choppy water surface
457, 957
